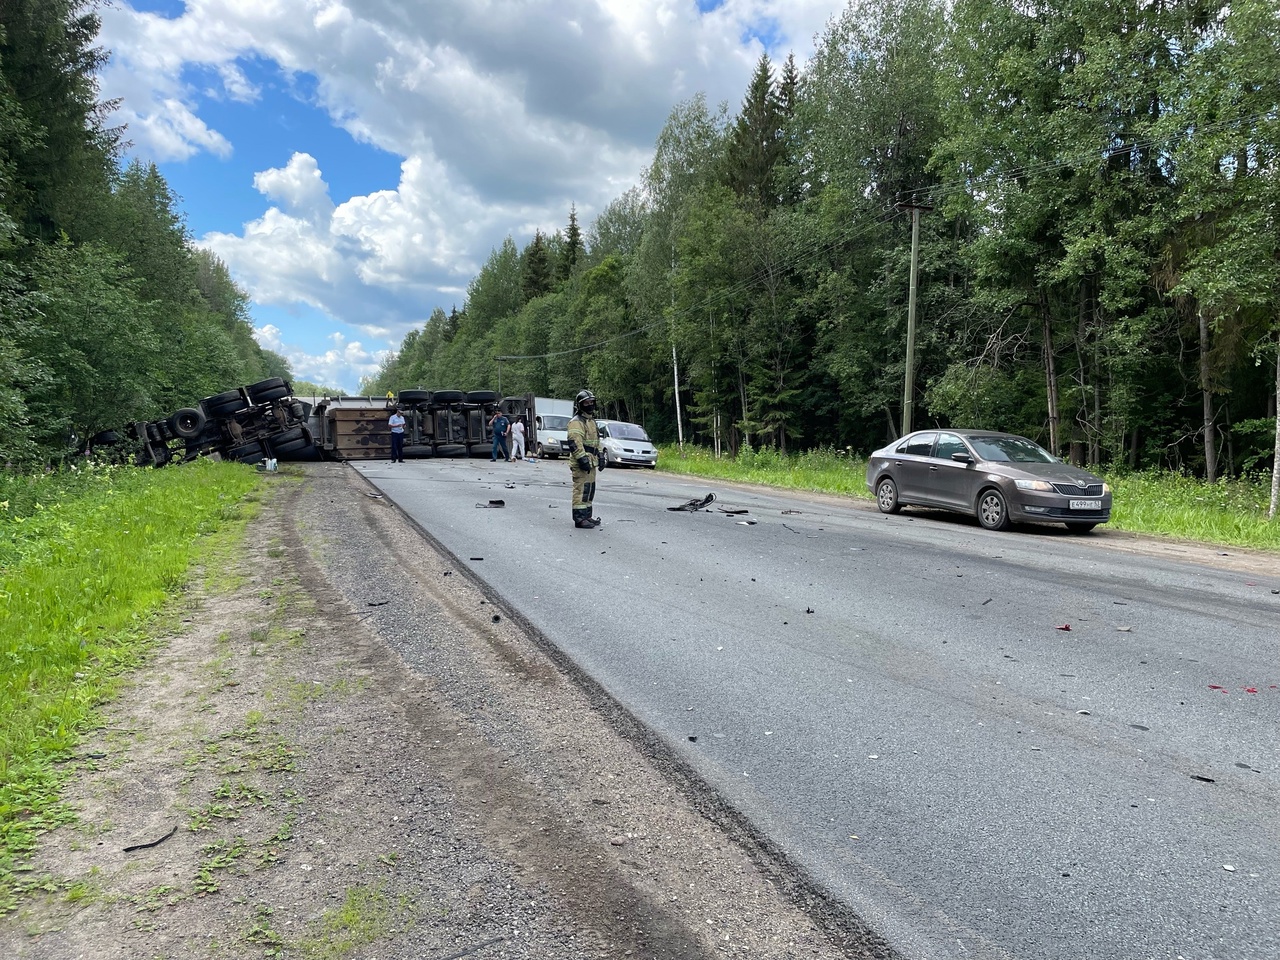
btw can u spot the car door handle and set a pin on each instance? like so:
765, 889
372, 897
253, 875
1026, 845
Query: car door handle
933, 469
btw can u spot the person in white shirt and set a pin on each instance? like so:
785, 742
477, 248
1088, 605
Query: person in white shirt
396, 423
517, 439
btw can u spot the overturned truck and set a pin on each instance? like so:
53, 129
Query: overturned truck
249, 424
265, 421
438, 423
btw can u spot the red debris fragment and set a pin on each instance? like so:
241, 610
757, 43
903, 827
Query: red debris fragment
1250, 689
1214, 686
1065, 626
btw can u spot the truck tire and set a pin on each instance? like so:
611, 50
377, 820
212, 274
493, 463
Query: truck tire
482, 396
188, 423
264, 391
440, 398
224, 404
291, 441
415, 396
246, 453
104, 438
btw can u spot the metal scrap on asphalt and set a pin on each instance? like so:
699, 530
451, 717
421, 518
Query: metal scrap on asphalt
695, 505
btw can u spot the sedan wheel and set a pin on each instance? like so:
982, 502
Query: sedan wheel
993, 512
887, 496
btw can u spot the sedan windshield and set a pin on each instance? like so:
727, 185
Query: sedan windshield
1011, 449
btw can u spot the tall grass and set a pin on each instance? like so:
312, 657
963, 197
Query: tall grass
88, 558
1230, 512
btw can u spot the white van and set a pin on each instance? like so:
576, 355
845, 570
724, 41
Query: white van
626, 444
551, 427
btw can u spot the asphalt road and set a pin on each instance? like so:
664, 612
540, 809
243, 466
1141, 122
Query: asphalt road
896, 703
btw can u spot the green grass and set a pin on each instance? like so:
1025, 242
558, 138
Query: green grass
365, 914
1230, 512
90, 560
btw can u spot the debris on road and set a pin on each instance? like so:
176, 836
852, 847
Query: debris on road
693, 506
491, 505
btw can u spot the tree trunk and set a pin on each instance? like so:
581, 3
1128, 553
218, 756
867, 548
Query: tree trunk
1275, 466
1050, 376
1210, 441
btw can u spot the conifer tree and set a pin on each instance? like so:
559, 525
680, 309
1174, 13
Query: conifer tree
755, 141
571, 251
535, 272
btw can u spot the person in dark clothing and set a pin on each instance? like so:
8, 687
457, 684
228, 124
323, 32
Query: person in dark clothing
396, 423
500, 425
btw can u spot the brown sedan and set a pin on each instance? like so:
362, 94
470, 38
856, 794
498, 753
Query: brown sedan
1000, 478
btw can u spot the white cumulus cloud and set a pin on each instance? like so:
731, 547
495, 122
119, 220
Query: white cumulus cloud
504, 113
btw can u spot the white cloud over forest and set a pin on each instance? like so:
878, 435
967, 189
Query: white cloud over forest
503, 112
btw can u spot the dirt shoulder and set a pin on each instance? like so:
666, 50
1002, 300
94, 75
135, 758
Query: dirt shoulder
353, 751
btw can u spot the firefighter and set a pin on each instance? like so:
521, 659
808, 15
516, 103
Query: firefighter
585, 455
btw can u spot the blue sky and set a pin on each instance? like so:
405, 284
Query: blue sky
354, 162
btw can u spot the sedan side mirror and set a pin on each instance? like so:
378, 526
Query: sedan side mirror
962, 457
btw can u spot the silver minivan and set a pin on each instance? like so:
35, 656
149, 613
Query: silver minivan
626, 444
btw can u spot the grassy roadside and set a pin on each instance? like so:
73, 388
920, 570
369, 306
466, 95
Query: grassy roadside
92, 565
1231, 512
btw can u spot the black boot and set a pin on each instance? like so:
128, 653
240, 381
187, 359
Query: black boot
582, 519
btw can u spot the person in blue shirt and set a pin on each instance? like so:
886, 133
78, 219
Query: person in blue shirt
500, 425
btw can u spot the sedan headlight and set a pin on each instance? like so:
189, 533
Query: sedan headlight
1106, 489
1042, 486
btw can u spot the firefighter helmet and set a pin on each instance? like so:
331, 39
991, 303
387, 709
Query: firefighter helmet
584, 402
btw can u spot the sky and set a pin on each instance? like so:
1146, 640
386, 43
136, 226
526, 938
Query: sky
355, 162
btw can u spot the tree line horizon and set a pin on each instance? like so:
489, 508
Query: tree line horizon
1099, 269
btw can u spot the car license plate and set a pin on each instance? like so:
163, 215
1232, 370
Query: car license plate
1084, 504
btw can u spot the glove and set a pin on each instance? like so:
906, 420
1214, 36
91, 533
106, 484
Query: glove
600, 462
584, 463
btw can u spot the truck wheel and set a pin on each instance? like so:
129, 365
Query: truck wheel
224, 404
291, 435
104, 438
441, 398
415, 396
482, 396
291, 441
187, 423
264, 391
246, 453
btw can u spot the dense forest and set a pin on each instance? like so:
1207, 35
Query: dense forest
1097, 189
108, 313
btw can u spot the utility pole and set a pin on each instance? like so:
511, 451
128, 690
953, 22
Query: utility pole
909, 387
675, 367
